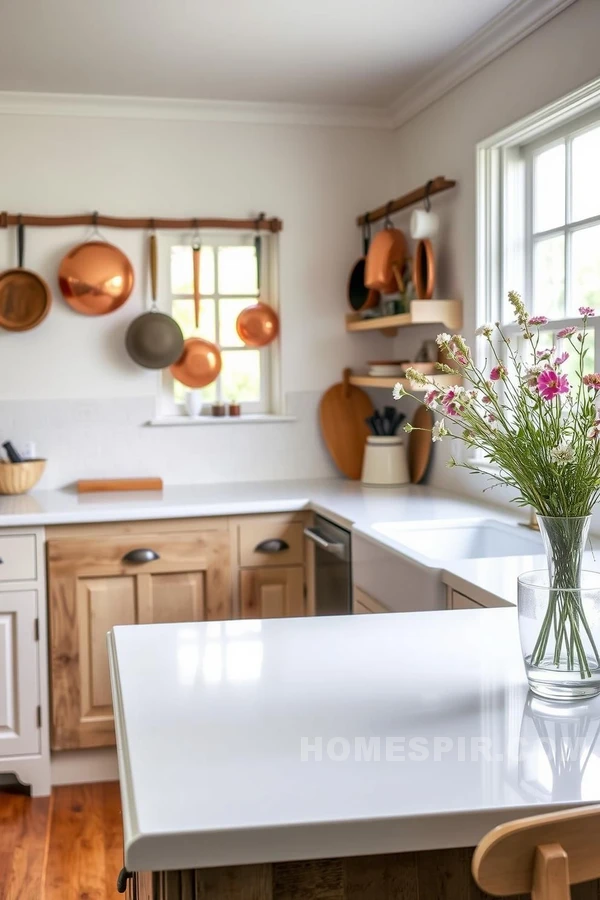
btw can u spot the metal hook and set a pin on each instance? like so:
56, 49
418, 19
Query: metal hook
427, 192
95, 231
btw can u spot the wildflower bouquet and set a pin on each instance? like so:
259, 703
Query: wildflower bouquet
541, 429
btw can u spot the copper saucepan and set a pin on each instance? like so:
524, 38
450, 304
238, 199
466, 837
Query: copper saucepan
258, 325
200, 362
385, 259
25, 298
154, 340
95, 278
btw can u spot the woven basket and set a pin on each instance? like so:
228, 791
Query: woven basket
18, 478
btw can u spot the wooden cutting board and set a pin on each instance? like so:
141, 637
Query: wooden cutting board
419, 445
102, 485
342, 412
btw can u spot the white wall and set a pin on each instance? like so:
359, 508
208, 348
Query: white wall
556, 59
315, 178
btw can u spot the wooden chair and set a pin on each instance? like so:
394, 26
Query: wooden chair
542, 854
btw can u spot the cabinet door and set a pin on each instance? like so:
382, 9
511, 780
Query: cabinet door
19, 690
95, 585
272, 593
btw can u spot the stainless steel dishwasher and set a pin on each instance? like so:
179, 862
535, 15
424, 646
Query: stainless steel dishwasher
333, 571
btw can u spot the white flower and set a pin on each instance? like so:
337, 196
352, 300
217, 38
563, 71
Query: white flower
443, 339
398, 391
439, 431
485, 331
562, 454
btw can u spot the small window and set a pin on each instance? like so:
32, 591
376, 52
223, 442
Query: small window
228, 284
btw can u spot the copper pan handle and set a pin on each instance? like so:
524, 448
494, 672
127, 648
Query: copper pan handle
196, 259
153, 268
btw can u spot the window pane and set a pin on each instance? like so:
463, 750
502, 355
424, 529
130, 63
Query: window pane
549, 188
183, 313
182, 272
229, 310
240, 376
572, 364
586, 175
585, 268
549, 277
237, 270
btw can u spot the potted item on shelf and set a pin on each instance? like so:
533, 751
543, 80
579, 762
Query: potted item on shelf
193, 403
234, 409
218, 409
538, 424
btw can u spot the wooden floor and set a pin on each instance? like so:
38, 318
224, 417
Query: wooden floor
64, 847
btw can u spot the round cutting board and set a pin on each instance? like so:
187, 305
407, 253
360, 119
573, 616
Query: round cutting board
342, 412
419, 445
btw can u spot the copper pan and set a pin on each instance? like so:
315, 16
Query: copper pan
95, 278
200, 362
25, 298
257, 325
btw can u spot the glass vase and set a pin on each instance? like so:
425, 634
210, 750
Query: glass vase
559, 615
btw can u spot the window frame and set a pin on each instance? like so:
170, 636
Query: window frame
270, 394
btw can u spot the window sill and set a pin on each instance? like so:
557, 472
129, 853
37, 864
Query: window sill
258, 419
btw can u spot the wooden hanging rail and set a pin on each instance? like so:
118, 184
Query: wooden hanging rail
436, 186
263, 224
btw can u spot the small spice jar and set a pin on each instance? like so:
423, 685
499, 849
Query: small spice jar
235, 409
218, 409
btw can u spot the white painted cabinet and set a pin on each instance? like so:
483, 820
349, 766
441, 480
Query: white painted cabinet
24, 733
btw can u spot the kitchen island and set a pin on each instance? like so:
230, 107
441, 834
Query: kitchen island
345, 757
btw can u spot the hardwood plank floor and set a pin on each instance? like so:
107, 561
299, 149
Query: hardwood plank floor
66, 847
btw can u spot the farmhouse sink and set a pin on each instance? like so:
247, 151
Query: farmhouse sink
462, 539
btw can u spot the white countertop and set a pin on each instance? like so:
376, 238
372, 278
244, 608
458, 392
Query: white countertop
211, 719
347, 502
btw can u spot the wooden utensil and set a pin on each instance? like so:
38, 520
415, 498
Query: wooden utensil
424, 270
419, 445
201, 361
25, 298
342, 413
101, 485
154, 340
257, 325
95, 278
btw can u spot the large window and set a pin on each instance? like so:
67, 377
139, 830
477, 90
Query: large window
539, 221
228, 283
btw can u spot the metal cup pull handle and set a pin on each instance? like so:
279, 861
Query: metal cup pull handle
122, 879
273, 545
141, 555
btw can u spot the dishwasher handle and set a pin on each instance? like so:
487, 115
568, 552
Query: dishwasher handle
338, 549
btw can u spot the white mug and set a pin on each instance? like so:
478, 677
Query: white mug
193, 403
423, 224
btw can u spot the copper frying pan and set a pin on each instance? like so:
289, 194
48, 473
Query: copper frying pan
95, 278
257, 325
200, 362
25, 298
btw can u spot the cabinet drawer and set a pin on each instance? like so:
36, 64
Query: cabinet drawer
132, 554
17, 555
269, 542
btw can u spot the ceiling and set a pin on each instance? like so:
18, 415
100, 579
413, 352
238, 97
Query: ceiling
324, 52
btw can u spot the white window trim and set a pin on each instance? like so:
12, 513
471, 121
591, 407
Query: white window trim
168, 412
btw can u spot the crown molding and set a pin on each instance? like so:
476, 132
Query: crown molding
22, 103
517, 21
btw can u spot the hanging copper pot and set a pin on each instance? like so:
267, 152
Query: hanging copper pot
25, 298
257, 325
95, 278
201, 361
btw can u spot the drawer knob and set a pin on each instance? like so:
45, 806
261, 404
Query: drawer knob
122, 879
273, 545
141, 555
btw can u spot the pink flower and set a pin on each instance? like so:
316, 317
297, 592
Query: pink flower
561, 359
592, 381
594, 432
586, 311
537, 320
545, 354
486, 399
461, 359
431, 396
449, 401
498, 372
551, 383
566, 332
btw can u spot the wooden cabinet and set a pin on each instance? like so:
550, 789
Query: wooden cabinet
100, 580
363, 603
267, 593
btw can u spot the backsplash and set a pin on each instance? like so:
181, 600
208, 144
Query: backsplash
108, 437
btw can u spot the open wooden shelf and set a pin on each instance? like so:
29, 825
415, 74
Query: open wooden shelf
372, 381
422, 312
